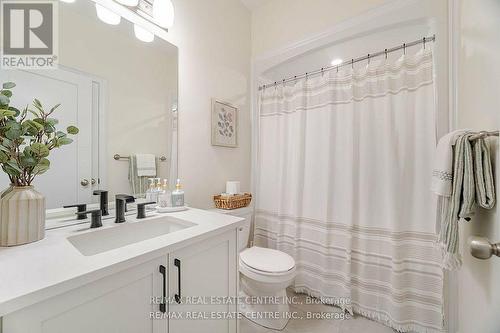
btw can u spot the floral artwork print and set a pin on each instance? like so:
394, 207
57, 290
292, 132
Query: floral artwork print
224, 124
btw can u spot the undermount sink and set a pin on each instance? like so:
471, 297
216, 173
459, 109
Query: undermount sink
127, 233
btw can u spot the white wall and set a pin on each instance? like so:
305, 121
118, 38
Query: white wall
479, 108
214, 62
281, 22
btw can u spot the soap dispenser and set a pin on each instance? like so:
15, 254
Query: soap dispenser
150, 191
178, 195
165, 197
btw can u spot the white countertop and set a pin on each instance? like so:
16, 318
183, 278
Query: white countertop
34, 272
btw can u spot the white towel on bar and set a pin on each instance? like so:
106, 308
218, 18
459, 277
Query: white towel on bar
442, 174
146, 165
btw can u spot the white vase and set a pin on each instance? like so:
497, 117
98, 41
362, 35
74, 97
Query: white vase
22, 216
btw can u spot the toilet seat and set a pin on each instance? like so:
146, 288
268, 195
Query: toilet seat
267, 265
265, 273
267, 261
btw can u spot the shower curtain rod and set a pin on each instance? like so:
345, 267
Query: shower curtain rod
353, 61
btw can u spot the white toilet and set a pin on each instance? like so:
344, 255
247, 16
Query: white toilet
264, 276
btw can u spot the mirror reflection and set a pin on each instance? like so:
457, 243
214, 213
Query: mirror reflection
121, 92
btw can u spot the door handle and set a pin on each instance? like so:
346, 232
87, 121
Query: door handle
163, 306
177, 296
84, 182
481, 248
93, 181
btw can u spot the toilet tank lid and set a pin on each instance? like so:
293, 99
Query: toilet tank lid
267, 260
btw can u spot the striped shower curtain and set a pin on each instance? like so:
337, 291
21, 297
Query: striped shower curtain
344, 187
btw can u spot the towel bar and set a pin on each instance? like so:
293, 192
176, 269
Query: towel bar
483, 134
119, 157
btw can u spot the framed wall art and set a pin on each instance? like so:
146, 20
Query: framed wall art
224, 124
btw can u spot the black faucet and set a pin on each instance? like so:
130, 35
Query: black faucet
103, 199
95, 217
121, 206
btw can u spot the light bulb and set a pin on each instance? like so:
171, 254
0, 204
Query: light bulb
106, 15
163, 13
336, 62
143, 34
131, 3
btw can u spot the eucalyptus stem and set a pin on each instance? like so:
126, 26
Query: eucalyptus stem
26, 142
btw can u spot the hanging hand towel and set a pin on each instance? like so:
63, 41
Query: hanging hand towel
471, 174
146, 165
485, 183
442, 174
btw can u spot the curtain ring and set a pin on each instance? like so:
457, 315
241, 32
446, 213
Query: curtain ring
283, 82
385, 51
337, 68
368, 58
424, 43
404, 48
275, 85
322, 73
307, 76
352, 63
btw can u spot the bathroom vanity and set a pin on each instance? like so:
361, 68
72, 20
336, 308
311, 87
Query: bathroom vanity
167, 273
175, 272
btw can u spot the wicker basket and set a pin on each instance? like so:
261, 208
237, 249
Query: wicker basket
233, 201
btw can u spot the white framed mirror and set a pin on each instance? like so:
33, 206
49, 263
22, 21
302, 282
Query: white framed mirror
121, 92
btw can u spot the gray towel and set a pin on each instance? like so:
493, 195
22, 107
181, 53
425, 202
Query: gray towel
472, 176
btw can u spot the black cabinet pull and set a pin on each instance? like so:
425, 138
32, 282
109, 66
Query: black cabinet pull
163, 306
177, 296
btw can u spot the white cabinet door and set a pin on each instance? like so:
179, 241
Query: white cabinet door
71, 163
207, 269
121, 303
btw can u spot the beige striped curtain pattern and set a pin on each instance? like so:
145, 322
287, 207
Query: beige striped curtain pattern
343, 186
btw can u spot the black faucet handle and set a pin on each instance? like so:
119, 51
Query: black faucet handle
141, 209
80, 208
96, 217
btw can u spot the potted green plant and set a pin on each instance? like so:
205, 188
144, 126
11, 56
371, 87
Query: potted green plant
26, 139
